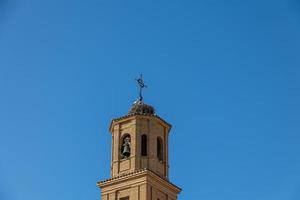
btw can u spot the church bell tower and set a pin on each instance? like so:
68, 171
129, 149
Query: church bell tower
139, 162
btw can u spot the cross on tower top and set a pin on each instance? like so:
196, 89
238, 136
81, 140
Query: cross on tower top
141, 85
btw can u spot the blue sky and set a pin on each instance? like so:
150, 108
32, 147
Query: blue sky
225, 74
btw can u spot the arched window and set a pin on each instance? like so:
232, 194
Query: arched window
125, 146
144, 145
159, 149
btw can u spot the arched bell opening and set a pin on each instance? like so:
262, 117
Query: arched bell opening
125, 149
159, 150
144, 147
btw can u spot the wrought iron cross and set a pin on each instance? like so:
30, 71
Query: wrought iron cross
142, 85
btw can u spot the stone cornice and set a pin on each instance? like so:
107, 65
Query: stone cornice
136, 174
132, 115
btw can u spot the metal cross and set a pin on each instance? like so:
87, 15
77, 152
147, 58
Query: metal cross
142, 85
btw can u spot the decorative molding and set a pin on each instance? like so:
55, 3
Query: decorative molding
132, 115
135, 174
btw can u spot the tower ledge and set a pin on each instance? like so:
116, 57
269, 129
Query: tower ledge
143, 173
129, 116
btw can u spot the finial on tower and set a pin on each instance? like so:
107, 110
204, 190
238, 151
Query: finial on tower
142, 85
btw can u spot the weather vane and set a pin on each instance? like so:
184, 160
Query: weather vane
142, 85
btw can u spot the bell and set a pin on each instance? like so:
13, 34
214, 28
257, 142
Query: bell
126, 151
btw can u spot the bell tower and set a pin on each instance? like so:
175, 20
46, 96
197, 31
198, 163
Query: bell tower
139, 162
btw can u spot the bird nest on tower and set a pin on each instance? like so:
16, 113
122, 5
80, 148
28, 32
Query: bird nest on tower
141, 108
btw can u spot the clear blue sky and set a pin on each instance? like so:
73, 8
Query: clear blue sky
225, 74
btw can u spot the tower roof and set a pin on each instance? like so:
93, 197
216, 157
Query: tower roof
139, 108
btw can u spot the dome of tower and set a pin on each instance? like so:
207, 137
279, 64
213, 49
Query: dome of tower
140, 107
